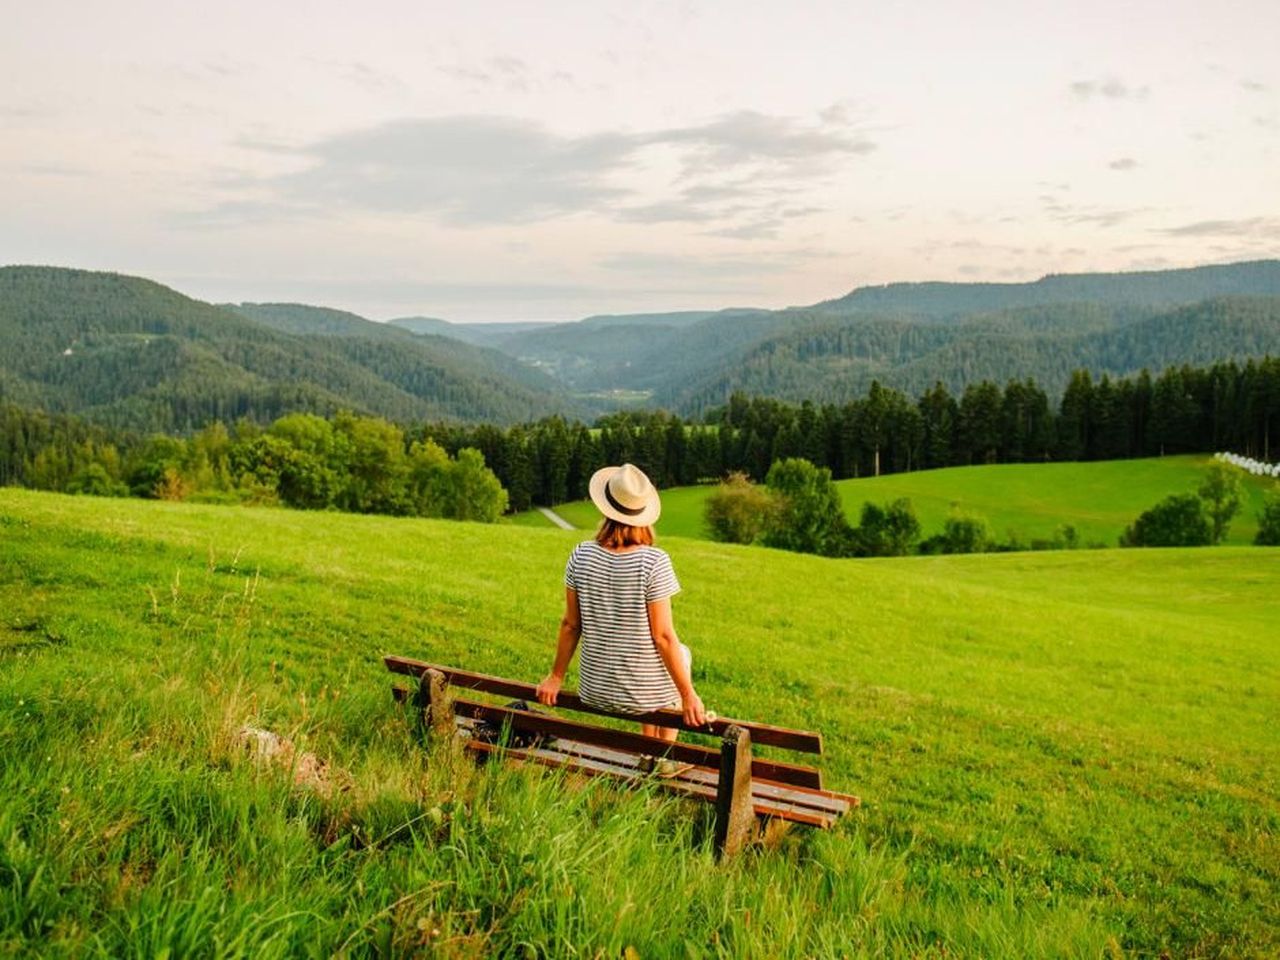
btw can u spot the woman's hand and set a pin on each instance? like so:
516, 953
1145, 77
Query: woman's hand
695, 714
549, 689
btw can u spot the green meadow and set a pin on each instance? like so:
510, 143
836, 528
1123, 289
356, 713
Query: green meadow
1029, 500
1060, 754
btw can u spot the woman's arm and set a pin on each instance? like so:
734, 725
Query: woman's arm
566, 644
667, 643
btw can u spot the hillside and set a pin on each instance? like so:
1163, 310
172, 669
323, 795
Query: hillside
836, 360
1059, 754
130, 352
911, 335
1024, 499
1150, 288
480, 334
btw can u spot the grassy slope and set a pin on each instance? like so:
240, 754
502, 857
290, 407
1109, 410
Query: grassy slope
1101, 499
1056, 750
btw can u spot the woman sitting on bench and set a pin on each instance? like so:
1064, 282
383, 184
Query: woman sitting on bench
618, 590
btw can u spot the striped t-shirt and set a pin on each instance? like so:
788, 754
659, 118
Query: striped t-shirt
619, 667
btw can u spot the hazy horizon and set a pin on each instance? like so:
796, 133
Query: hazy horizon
515, 163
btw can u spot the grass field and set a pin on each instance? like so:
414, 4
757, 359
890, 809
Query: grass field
1060, 754
1030, 500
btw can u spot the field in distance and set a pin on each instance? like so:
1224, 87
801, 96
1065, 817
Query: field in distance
1030, 499
1060, 754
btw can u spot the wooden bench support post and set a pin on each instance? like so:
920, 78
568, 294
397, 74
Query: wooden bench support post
435, 704
735, 818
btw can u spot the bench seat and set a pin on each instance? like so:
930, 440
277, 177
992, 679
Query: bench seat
743, 788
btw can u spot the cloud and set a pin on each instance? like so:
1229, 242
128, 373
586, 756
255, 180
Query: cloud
482, 170
1109, 88
1123, 164
678, 267
1254, 86
1075, 214
766, 228
754, 138
462, 169
506, 72
1261, 227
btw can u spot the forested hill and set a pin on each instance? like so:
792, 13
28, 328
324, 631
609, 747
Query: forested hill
910, 335
306, 320
1152, 288
837, 359
131, 352
481, 334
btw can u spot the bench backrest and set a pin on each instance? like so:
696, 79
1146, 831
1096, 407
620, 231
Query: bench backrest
804, 741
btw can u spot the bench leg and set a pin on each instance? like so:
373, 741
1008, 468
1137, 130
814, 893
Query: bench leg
434, 704
735, 818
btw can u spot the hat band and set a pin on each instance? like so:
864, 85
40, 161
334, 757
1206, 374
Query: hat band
619, 507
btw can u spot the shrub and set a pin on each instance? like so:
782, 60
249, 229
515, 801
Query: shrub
1269, 522
1221, 491
808, 517
1176, 521
966, 533
93, 480
888, 531
738, 511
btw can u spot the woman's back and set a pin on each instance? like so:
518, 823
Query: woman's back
620, 668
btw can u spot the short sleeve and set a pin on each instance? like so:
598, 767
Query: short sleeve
571, 570
662, 582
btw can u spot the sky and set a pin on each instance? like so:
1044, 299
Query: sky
535, 161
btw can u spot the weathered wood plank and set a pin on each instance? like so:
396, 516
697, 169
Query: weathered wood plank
735, 820
821, 800
635, 742
437, 703
765, 787
588, 767
805, 741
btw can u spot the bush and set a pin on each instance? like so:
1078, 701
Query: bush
966, 533
93, 480
1176, 521
888, 531
1269, 522
1221, 491
808, 517
738, 511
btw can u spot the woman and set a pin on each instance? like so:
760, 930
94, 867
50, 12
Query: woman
618, 590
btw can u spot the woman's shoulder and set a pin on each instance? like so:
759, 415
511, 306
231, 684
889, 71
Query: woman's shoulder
656, 555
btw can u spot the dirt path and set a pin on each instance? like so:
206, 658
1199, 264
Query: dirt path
555, 518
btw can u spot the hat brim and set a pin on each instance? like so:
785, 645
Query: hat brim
645, 518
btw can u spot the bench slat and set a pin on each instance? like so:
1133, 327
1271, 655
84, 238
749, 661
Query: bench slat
634, 742
823, 800
550, 758
804, 741
770, 787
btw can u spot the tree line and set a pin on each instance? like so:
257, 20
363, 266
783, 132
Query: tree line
1226, 406
348, 462
368, 464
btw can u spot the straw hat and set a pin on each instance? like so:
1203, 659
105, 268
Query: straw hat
625, 494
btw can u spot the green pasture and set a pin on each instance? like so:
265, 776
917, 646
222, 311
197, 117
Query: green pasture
1060, 754
1025, 499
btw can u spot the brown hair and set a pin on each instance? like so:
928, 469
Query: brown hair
613, 535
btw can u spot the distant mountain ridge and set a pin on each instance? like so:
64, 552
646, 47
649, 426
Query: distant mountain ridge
1149, 287
836, 360
480, 334
911, 335
131, 352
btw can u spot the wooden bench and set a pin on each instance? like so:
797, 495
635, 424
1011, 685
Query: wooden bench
742, 787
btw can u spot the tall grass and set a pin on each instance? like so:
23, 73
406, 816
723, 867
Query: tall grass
1060, 755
